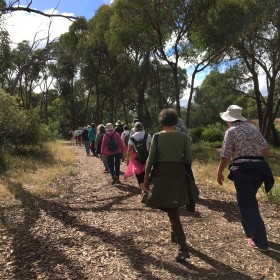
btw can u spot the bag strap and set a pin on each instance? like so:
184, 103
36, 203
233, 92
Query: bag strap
109, 135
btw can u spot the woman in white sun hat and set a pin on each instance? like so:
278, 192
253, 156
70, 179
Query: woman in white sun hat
246, 147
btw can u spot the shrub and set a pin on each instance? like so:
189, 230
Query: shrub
18, 128
212, 133
196, 134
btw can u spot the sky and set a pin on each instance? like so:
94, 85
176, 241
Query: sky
23, 25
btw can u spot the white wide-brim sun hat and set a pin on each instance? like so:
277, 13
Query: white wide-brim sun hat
233, 113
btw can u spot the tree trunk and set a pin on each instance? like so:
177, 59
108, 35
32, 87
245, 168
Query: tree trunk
177, 89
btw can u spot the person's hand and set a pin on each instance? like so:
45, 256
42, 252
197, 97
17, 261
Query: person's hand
146, 183
220, 178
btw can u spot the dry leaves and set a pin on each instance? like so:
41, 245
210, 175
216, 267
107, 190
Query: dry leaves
95, 230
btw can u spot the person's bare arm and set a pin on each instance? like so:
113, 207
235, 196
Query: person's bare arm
222, 165
266, 152
129, 152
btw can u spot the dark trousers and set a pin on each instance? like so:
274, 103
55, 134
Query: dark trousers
92, 147
247, 184
140, 177
114, 163
176, 226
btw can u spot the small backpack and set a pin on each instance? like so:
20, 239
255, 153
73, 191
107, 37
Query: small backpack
141, 149
112, 145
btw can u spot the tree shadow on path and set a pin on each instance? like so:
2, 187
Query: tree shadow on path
31, 250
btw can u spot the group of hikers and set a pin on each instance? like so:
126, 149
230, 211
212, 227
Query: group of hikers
162, 166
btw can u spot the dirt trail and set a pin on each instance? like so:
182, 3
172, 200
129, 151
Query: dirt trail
102, 231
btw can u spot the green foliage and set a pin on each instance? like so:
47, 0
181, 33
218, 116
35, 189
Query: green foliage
18, 128
212, 133
196, 133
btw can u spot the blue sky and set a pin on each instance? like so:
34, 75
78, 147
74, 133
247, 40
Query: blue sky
24, 26
86, 8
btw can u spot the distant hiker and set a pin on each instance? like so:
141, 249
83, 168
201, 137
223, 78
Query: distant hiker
132, 130
246, 147
125, 138
72, 137
113, 148
80, 130
85, 140
119, 127
137, 154
98, 144
92, 137
170, 184
76, 135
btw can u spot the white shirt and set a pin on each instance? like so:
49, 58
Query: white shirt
124, 134
139, 135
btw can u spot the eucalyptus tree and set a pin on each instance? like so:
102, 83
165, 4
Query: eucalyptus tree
171, 21
5, 59
161, 83
132, 37
260, 51
252, 30
66, 70
217, 91
103, 66
27, 64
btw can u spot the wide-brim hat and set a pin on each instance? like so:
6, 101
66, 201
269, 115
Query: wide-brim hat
233, 113
119, 122
109, 126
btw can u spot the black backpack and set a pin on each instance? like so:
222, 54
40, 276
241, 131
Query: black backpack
141, 149
112, 145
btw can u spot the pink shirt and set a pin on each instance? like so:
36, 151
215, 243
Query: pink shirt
243, 139
104, 147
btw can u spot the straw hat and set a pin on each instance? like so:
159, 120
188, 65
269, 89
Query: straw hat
109, 126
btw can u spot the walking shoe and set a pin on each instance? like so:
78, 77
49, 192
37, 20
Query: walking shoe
117, 180
252, 244
114, 180
182, 255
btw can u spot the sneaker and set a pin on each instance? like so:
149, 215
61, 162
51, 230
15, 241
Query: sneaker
182, 255
252, 244
118, 180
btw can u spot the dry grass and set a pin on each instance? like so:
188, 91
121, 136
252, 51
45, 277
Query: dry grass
37, 170
205, 164
205, 173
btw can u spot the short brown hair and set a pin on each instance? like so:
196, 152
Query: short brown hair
168, 117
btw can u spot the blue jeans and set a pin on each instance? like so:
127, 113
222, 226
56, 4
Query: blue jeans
105, 162
114, 163
87, 147
247, 184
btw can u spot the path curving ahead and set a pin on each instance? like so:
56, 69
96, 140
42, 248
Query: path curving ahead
102, 231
